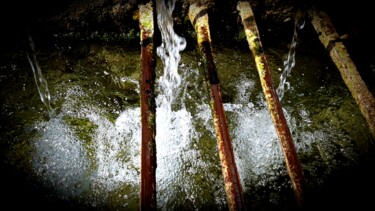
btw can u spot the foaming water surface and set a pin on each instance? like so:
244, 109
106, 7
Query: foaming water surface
88, 154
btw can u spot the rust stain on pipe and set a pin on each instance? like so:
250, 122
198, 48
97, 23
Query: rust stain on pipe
148, 109
331, 41
199, 18
290, 155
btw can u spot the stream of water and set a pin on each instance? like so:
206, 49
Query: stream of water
290, 60
169, 52
174, 127
40, 82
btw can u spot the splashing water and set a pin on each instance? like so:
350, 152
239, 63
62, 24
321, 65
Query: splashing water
174, 127
73, 166
41, 83
290, 61
89, 154
168, 51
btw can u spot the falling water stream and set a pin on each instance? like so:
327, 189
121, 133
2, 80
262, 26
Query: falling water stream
169, 52
174, 129
290, 60
40, 82
87, 155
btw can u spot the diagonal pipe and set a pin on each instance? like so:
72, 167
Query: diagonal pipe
148, 108
340, 56
199, 19
290, 154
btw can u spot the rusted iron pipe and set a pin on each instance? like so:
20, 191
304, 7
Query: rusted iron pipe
340, 56
290, 154
199, 18
148, 108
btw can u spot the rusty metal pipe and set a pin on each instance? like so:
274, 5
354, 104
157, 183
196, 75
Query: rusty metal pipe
199, 18
290, 154
148, 109
348, 70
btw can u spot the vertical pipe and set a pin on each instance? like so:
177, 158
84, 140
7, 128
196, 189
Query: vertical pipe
331, 41
148, 109
199, 18
290, 155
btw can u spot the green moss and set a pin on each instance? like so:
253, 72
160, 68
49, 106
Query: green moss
19, 155
124, 198
241, 35
84, 129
